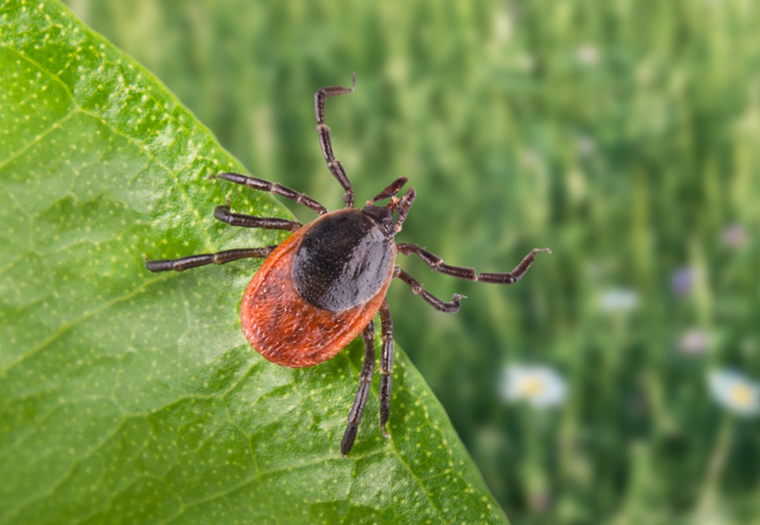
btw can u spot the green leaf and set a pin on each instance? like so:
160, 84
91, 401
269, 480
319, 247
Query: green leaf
128, 397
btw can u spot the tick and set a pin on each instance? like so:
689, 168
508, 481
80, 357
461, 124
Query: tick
324, 284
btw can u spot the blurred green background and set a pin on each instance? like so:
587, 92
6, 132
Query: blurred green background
623, 134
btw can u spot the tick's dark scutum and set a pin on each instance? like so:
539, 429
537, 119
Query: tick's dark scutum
343, 261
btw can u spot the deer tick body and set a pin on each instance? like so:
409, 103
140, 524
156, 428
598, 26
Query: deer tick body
324, 284
319, 288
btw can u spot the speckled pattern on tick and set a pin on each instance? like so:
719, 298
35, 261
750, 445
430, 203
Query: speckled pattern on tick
324, 284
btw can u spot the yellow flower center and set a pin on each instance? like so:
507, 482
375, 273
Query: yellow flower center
532, 387
741, 395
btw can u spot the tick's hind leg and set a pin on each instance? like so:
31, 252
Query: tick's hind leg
365, 379
272, 187
193, 261
386, 365
335, 167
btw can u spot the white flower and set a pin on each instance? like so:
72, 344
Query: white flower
587, 54
618, 300
735, 392
539, 386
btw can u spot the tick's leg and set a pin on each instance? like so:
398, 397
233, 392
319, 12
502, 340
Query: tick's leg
437, 264
365, 379
272, 187
192, 261
333, 164
516, 274
451, 307
223, 213
386, 365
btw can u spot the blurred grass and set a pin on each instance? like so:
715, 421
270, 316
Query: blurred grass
624, 135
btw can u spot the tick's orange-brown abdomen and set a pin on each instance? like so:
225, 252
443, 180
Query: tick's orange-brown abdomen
287, 330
